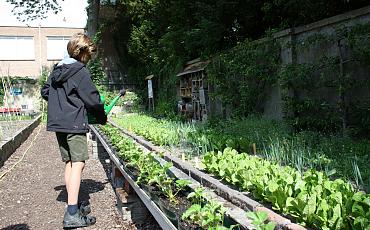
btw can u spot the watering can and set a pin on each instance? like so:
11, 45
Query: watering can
107, 108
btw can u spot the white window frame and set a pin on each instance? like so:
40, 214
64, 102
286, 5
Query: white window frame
17, 48
58, 49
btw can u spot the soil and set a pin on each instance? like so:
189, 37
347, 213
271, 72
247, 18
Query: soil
9, 128
33, 194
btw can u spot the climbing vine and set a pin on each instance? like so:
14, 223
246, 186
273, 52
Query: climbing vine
243, 75
325, 95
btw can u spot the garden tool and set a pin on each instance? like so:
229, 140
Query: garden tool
107, 108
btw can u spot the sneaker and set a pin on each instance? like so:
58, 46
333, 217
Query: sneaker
77, 220
84, 208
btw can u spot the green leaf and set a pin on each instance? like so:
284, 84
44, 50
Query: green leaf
311, 205
358, 209
272, 186
358, 196
262, 216
182, 182
270, 226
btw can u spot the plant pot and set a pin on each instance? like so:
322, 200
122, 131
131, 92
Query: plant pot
172, 216
129, 171
228, 221
145, 188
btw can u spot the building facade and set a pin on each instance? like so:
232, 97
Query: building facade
25, 50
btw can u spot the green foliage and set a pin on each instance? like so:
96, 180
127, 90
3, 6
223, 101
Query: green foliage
29, 10
308, 195
159, 132
310, 198
259, 220
8, 81
150, 170
208, 216
43, 77
157, 37
244, 74
41, 82
96, 70
306, 86
292, 13
274, 141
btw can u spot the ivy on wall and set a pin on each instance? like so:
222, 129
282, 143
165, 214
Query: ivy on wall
317, 95
244, 74
307, 85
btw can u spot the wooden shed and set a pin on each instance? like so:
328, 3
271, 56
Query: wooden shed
194, 87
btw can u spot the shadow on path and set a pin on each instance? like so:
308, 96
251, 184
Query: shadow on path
88, 186
17, 227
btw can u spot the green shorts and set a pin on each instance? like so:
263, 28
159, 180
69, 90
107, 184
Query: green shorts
73, 146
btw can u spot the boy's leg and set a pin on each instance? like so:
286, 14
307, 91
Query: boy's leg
74, 181
77, 145
67, 174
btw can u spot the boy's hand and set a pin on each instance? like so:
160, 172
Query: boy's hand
122, 92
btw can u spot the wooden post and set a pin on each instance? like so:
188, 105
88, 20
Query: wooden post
342, 96
254, 149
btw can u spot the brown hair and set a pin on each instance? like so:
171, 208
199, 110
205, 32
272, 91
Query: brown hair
81, 48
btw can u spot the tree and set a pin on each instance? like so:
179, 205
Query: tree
30, 10
93, 17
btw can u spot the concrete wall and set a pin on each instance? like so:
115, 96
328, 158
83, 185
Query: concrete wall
294, 53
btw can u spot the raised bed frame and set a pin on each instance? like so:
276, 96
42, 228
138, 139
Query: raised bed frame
8, 146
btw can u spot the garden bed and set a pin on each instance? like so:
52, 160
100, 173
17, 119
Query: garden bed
14, 134
169, 211
236, 197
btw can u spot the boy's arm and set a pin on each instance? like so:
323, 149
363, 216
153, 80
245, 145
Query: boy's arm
45, 90
91, 98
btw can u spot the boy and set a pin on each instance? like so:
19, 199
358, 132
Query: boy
71, 94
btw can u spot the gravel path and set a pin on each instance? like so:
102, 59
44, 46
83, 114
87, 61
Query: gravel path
33, 195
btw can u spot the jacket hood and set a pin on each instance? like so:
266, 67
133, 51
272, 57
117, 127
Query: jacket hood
63, 72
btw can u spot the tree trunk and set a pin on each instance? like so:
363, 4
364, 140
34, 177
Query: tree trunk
93, 17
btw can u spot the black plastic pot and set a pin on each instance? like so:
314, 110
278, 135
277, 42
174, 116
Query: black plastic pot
172, 216
129, 171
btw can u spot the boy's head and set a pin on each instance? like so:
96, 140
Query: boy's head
81, 48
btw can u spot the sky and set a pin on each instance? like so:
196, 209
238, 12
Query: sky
73, 15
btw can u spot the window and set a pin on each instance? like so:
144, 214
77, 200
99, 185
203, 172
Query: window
17, 48
57, 47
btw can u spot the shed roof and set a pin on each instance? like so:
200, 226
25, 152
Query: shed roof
149, 77
194, 67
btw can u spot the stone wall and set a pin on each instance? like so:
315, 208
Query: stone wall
273, 107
